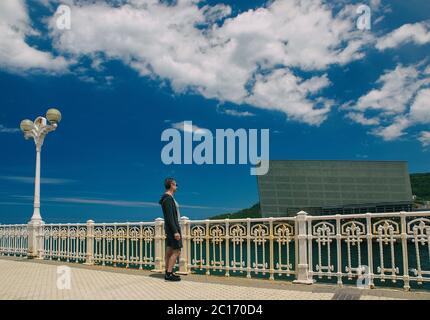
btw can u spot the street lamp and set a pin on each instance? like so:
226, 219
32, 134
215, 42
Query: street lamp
38, 131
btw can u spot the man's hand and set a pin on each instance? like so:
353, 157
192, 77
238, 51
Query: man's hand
177, 236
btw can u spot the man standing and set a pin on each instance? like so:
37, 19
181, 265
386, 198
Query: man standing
171, 228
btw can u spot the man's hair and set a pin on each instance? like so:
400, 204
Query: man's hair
168, 183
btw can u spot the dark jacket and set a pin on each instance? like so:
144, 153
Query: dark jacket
171, 223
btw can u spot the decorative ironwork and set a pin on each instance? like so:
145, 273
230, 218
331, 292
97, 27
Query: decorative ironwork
324, 234
284, 235
238, 235
198, 236
345, 245
354, 233
387, 232
419, 229
14, 240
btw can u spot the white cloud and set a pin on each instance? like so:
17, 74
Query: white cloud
42, 180
10, 203
4, 129
375, 3
361, 119
15, 53
424, 138
115, 202
123, 203
186, 127
394, 130
398, 86
235, 113
420, 109
273, 57
401, 102
283, 91
418, 33
206, 50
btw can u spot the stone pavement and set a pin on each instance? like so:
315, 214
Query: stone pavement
37, 279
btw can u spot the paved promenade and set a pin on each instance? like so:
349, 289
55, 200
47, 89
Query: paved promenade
34, 279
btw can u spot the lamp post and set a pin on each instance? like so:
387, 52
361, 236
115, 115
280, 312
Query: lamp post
38, 131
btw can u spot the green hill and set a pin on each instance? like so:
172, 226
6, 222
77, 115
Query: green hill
253, 212
420, 187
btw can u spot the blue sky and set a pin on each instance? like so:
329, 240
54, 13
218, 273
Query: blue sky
127, 70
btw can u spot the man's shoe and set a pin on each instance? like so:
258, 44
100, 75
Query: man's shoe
173, 272
172, 277
176, 276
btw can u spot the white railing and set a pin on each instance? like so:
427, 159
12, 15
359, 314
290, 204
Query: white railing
372, 248
13, 239
65, 241
116, 244
386, 246
239, 246
127, 244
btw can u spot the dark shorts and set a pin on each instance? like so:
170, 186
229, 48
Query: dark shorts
172, 242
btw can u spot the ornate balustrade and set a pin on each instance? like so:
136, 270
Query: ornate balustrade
116, 244
126, 244
13, 239
65, 242
241, 246
384, 246
370, 249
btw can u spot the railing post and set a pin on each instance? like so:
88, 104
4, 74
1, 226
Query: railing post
227, 247
302, 276
1, 239
90, 243
404, 236
183, 259
41, 241
248, 248
369, 237
208, 260
339, 249
158, 245
35, 239
272, 259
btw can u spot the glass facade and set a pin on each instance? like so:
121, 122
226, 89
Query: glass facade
334, 186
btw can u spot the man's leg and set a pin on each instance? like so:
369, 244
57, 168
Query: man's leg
169, 251
175, 254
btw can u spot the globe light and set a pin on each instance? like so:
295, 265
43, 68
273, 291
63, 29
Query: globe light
26, 125
38, 130
53, 116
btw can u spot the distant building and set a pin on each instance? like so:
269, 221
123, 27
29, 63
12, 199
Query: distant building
334, 187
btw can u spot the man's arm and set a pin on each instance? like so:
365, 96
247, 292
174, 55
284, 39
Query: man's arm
169, 208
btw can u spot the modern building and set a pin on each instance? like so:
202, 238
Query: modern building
322, 187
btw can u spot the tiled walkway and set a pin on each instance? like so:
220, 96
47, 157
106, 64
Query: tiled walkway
30, 279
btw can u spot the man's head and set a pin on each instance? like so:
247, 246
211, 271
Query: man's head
170, 185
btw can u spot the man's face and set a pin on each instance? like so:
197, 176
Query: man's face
173, 186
